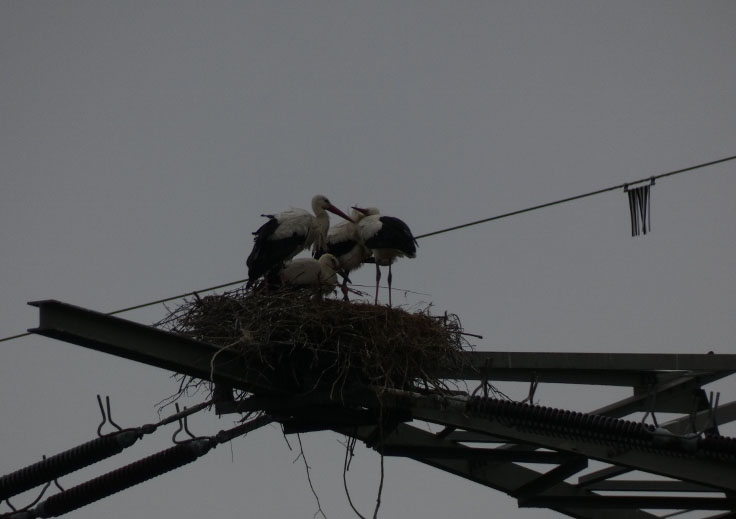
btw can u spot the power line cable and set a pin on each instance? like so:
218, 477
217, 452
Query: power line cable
441, 231
144, 305
576, 197
180, 296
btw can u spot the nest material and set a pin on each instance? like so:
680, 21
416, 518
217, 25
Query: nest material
301, 343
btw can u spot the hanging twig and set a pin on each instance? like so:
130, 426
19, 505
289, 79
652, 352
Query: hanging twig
346, 463
309, 477
380, 444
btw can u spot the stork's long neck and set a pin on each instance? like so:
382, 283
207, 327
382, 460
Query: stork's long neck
321, 226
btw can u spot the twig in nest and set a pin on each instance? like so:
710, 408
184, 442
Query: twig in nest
188, 386
212, 360
293, 344
381, 444
296, 344
283, 433
309, 477
380, 491
349, 446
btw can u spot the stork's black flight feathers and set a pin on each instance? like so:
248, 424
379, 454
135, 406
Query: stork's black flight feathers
393, 234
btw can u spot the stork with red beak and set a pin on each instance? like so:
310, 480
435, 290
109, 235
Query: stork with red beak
286, 234
388, 238
345, 243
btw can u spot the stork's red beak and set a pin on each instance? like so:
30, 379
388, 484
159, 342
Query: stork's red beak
331, 208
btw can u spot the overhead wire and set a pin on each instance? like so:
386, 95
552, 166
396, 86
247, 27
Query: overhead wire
144, 305
576, 197
441, 231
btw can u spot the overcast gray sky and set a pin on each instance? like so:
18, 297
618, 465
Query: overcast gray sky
140, 142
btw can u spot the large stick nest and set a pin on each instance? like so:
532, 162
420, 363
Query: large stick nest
300, 342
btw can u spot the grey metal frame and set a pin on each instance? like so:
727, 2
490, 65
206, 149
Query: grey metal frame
661, 383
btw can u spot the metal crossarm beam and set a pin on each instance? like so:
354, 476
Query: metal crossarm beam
725, 413
629, 502
636, 362
453, 412
551, 478
602, 475
672, 378
458, 451
673, 396
474, 437
140, 343
726, 515
169, 351
637, 485
615, 369
505, 476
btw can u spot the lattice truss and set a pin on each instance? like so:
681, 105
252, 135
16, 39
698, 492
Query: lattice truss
587, 465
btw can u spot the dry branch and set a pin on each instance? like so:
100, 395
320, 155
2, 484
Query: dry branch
299, 342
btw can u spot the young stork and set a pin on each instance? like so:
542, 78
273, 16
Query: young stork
345, 243
388, 238
308, 272
286, 234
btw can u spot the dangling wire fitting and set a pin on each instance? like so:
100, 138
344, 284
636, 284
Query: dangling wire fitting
712, 429
106, 417
183, 426
640, 207
134, 473
105, 446
68, 461
533, 384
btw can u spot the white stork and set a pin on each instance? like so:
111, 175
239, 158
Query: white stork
286, 234
308, 272
345, 243
388, 238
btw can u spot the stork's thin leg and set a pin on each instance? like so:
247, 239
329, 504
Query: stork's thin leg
378, 278
389, 285
344, 289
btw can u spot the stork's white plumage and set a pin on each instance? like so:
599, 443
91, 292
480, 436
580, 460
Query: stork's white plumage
388, 238
308, 272
286, 234
345, 243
